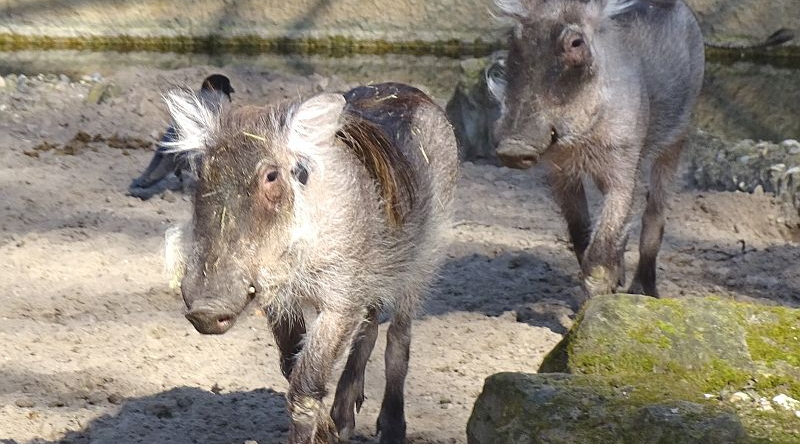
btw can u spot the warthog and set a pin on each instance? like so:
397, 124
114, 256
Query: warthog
599, 88
337, 203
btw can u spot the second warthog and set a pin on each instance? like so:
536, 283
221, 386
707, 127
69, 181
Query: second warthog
337, 203
599, 88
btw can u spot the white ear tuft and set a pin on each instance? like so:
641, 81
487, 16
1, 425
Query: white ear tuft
616, 7
194, 120
495, 76
314, 122
512, 8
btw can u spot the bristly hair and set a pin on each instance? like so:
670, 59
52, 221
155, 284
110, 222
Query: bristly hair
495, 76
385, 163
520, 9
357, 119
512, 8
614, 8
375, 126
195, 122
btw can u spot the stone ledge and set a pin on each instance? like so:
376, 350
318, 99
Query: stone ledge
641, 370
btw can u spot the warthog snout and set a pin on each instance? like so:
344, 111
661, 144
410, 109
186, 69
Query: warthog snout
214, 316
211, 322
516, 154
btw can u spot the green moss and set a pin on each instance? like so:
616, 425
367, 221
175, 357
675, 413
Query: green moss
333, 46
653, 334
666, 327
588, 409
669, 350
720, 375
666, 390
689, 337
774, 338
786, 56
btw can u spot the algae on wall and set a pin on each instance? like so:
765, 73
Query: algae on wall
378, 20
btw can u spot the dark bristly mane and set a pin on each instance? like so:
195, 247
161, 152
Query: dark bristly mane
374, 128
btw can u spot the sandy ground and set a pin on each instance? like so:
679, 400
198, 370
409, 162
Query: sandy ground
94, 347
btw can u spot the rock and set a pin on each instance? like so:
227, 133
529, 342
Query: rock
94, 77
102, 92
673, 350
22, 85
739, 397
764, 405
786, 403
643, 327
551, 313
2, 82
61, 401
319, 82
747, 166
11, 81
159, 410
168, 196
25, 403
96, 398
573, 409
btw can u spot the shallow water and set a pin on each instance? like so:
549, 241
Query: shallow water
740, 100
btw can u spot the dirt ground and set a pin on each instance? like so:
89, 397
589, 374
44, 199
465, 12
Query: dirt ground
94, 347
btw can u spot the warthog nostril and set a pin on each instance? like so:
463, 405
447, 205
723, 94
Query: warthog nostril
210, 322
224, 322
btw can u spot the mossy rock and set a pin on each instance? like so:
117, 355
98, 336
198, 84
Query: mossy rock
731, 355
711, 343
573, 409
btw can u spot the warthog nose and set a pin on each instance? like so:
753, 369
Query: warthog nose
211, 322
515, 154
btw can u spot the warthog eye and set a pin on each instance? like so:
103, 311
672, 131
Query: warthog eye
553, 136
272, 176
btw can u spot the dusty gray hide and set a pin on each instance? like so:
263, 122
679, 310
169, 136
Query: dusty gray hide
601, 89
337, 203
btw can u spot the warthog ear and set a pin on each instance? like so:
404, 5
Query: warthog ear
195, 121
495, 76
516, 9
315, 122
613, 8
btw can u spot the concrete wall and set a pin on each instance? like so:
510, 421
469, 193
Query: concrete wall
394, 20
